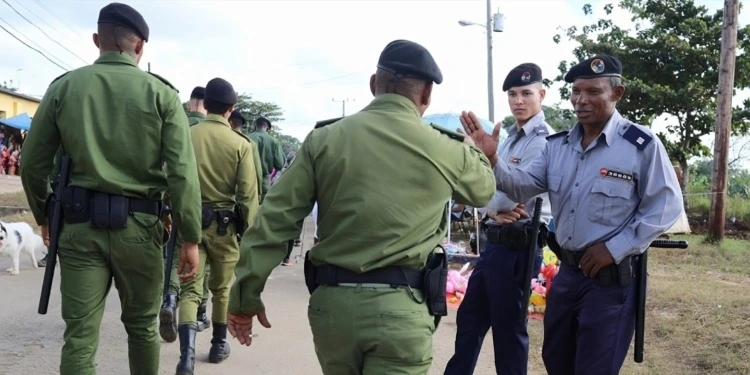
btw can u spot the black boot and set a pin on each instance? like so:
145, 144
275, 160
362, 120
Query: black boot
219, 345
168, 318
202, 318
187, 349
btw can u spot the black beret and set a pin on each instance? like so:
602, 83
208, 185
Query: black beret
595, 67
410, 60
125, 16
198, 93
236, 115
522, 75
221, 91
262, 119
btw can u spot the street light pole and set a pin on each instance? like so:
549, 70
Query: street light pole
343, 105
490, 79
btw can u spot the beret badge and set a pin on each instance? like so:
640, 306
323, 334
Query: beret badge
526, 77
597, 66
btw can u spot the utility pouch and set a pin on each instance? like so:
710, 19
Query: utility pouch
119, 208
76, 205
100, 211
310, 274
435, 280
207, 216
223, 218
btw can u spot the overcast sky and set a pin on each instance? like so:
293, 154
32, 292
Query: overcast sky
304, 54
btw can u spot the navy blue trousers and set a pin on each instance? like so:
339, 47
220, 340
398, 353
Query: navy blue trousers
587, 327
493, 299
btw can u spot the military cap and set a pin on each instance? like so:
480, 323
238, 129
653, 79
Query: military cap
124, 15
262, 119
409, 59
522, 75
198, 93
236, 115
221, 91
595, 67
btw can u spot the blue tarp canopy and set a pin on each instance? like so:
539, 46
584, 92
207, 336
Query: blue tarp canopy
22, 122
450, 121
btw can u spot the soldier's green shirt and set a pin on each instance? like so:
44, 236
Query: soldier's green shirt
195, 117
226, 168
382, 180
256, 161
119, 125
271, 153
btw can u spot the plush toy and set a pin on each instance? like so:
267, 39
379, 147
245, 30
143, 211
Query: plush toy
549, 272
548, 257
538, 288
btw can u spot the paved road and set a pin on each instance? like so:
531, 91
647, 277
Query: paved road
31, 342
10, 184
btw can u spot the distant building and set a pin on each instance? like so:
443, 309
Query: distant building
13, 104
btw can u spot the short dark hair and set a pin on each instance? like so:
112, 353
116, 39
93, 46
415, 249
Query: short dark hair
215, 108
113, 36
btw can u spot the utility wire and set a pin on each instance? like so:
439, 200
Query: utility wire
40, 29
56, 16
45, 22
40, 52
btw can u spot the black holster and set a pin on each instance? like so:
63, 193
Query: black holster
223, 218
310, 274
239, 221
515, 236
435, 280
615, 274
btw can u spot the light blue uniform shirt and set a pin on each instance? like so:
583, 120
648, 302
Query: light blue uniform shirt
521, 148
622, 190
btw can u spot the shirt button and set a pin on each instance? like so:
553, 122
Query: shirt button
572, 211
576, 184
582, 158
570, 238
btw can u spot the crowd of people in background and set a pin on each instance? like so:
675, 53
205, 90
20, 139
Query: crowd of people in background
10, 150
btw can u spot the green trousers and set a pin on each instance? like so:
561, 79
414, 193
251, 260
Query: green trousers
221, 253
90, 259
370, 330
174, 281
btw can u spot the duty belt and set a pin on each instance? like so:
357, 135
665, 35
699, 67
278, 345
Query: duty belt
395, 276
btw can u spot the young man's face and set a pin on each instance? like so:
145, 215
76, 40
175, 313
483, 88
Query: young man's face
526, 101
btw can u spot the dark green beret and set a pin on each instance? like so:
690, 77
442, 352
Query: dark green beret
595, 67
221, 91
409, 59
522, 75
198, 93
236, 115
125, 16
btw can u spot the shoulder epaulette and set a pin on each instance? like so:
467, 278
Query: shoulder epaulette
58, 77
451, 134
243, 136
637, 136
323, 123
164, 80
557, 135
541, 129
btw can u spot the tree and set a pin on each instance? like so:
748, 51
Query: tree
558, 118
8, 86
670, 67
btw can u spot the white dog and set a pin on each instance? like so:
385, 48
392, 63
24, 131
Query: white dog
18, 237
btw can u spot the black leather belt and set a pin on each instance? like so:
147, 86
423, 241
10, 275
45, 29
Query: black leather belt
395, 276
145, 206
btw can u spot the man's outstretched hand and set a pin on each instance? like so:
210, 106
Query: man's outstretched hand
241, 326
484, 141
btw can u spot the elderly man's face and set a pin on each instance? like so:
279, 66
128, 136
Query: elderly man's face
594, 99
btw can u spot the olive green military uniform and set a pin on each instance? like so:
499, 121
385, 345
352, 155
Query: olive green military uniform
272, 157
227, 175
119, 125
382, 179
256, 160
195, 117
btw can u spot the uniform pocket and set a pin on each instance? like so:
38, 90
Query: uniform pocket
611, 199
554, 182
406, 335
